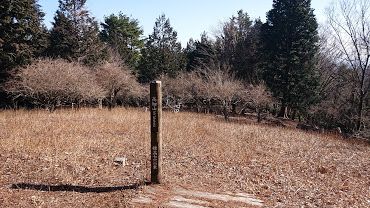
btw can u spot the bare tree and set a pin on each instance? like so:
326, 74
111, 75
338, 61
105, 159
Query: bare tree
219, 86
336, 88
257, 97
52, 83
181, 90
212, 87
349, 21
116, 79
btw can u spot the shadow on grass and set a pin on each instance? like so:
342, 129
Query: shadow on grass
80, 189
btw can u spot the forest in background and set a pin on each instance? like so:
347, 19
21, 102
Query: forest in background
288, 66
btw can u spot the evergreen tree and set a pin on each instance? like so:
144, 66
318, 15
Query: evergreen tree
290, 46
123, 35
22, 35
233, 35
247, 60
64, 41
237, 46
74, 35
190, 53
200, 54
162, 54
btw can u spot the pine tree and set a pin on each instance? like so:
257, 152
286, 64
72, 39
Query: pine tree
22, 37
75, 35
162, 54
64, 41
190, 53
237, 46
22, 34
123, 35
290, 45
200, 54
247, 61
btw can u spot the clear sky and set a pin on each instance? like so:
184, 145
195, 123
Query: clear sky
188, 17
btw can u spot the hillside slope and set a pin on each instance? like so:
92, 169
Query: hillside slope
65, 159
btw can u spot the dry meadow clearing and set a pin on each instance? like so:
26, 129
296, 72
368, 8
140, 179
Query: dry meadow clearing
65, 159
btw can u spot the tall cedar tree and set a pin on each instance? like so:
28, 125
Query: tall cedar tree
200, 54
190, 53
242, 41
22, 35
123, 35
162, 54
290, 46
247, 60
75, 35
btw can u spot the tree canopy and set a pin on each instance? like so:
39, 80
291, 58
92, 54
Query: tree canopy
238, 44
290, 46
162, 54
123, 35
74, 35
22, 34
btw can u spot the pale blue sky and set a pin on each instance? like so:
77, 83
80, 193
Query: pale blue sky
188, 17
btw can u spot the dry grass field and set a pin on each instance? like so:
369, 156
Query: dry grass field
65, 159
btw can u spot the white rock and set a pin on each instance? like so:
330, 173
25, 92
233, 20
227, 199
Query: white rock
120, 160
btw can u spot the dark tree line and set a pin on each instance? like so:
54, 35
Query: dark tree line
311, 79
74, 35
22, 36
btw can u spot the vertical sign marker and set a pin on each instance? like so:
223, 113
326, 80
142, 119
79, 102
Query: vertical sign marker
156, 131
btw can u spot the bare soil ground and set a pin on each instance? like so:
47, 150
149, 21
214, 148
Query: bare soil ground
66, 159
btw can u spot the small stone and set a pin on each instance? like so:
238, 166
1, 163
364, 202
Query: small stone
120, 160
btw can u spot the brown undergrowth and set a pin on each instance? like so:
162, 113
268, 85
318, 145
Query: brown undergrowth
65, 159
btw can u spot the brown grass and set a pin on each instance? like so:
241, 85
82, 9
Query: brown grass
65, 159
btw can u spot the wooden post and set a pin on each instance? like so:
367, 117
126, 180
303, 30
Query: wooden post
156, 131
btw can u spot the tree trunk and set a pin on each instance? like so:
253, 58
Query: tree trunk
360, 109
294, 114
259, 118
233, 108
226, 113
111, 101
208, 106
283, 110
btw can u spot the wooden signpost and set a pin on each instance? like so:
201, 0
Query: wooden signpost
156, 131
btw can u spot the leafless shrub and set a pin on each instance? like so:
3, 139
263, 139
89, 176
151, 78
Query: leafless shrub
210, 88
205, 87
180, 90
118, 82
51, 83
224, 88
257, 97
221, 87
